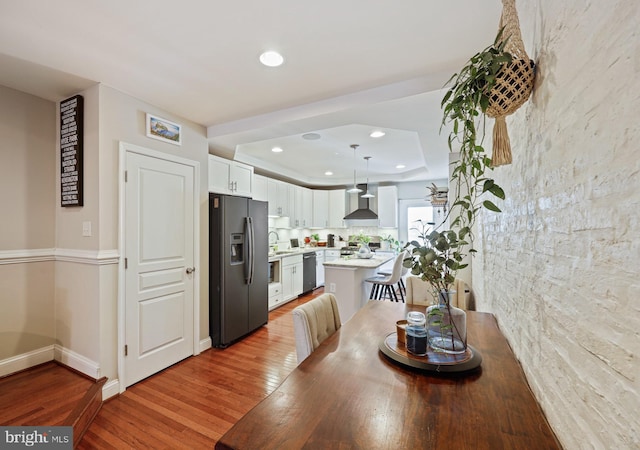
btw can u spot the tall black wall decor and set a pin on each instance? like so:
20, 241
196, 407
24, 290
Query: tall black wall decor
71, 149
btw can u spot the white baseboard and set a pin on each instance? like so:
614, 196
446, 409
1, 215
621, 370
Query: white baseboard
77, 361
110, 389
26, 360
205, 344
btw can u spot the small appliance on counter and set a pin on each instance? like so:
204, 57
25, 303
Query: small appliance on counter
331, 240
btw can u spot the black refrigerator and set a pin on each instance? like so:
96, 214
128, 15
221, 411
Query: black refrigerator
238, 267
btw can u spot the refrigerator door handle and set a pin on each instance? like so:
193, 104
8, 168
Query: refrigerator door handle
250, 243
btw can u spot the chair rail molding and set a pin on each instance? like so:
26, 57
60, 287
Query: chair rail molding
26, 256
92, 257
101, 257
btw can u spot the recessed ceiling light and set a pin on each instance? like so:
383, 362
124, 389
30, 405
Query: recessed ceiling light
377, 134
271, 59
311, 136
328, 173
400, 166
276, 150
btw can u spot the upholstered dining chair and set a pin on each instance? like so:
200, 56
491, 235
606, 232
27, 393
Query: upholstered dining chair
420, 292
313, 322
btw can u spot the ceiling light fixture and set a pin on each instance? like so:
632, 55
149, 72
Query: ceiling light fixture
400, 166
271, 59
277, 150
354, 189
328, 173
367, 194
377, 134
311, 136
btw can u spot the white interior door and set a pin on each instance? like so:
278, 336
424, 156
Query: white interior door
159, 252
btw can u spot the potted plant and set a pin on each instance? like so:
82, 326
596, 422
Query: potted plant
391, 243
441, 253
436, 260
364, 251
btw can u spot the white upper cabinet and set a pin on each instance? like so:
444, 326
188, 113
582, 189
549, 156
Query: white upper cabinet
278, 193
388, 206
307, 207
260, 188
320, 209
230, 177
303, 207
337, 206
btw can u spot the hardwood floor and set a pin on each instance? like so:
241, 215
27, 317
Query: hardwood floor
42, 395
192, 403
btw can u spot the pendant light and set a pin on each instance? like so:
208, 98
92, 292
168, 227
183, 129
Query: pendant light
367, 194
354, 189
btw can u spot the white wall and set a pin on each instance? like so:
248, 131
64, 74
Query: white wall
560, 266
55, 287
76, 280
27, 176
86, 290
122, 118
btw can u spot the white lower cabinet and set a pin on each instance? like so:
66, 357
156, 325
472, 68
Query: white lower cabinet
291, 277
319, 268
330, 255
275, 295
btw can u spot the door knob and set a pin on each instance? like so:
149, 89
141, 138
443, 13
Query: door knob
190, 270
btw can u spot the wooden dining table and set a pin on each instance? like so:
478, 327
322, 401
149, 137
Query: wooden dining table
347, 394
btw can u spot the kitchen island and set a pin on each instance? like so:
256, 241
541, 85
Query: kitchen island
344, 278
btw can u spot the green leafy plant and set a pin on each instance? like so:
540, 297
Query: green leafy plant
363, 238
394, 244
315, 237
464, 106
438, 258
440, 255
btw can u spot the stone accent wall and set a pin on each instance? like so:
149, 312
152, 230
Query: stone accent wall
560, 266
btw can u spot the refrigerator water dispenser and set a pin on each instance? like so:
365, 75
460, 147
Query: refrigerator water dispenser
237, 247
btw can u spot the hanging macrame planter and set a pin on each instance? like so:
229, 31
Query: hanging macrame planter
513, 85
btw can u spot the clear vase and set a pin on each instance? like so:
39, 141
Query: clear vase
447, 326
364, 251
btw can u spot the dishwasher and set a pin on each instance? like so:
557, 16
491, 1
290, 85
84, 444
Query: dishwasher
308, 272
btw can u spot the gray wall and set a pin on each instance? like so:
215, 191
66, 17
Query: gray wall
27, 226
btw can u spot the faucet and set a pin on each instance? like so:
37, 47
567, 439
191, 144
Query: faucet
269, 235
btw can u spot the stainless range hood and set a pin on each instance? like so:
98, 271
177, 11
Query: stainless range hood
363, 216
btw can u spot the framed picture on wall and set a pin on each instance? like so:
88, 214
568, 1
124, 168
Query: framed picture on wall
163, 130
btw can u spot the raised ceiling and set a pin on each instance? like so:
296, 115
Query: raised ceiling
350, 67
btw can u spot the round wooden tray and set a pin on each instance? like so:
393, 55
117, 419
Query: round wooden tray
432, 361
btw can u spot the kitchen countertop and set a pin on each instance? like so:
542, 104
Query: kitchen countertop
284, 253
276, 256
359, 263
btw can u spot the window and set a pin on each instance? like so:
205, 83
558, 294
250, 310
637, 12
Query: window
414, 228
410, 211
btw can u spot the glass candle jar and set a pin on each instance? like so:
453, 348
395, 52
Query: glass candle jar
416, 333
